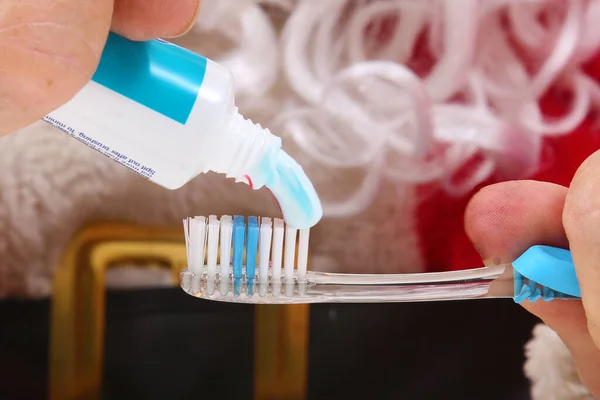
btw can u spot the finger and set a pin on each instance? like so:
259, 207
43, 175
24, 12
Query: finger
503, 221
581, 219
49, 50
149, 19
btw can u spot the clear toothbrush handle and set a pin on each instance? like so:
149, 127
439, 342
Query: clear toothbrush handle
542, 272
322, 287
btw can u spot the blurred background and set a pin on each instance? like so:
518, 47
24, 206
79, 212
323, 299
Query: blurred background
399, 111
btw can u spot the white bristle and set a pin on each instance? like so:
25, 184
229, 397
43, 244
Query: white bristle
224, 287
303, 254
276, 288
200, 241
225, 243
290, 252
196, 283
195, 240
188, 239
289, 288
210, 286
212, 246
186, 282
262, 288
277, 248
264, 248
282, 250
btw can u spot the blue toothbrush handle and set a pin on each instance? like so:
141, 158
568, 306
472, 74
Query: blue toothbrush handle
550, 274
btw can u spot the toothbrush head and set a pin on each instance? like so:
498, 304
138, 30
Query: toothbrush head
236, 259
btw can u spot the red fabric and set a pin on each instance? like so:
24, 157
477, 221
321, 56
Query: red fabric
444, 244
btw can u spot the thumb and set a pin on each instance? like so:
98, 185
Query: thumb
49, 50
581, 219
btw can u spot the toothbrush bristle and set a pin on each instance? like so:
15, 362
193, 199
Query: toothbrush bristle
266, 232
201, 243
277, 248
225, 244
303, 254
527, 289
290, 253
252, 247
195, 236
212, 245
239, 233
238, 253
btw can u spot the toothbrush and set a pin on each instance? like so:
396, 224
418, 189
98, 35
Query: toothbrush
276, 261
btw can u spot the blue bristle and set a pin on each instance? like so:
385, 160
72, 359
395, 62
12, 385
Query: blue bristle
519, 286
237, 286
535, 294
532, 291
522, 295
239, 233
250, 287
251, 247
549, 294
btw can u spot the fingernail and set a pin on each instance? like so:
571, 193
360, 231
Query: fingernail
492, 261
486, 260
190, 26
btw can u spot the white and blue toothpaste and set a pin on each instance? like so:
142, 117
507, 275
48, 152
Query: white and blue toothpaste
169, 114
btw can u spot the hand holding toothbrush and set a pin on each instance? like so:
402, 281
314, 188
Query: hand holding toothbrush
49, 49
503, 220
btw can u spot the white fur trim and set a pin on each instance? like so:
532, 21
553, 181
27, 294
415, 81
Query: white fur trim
551, 369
